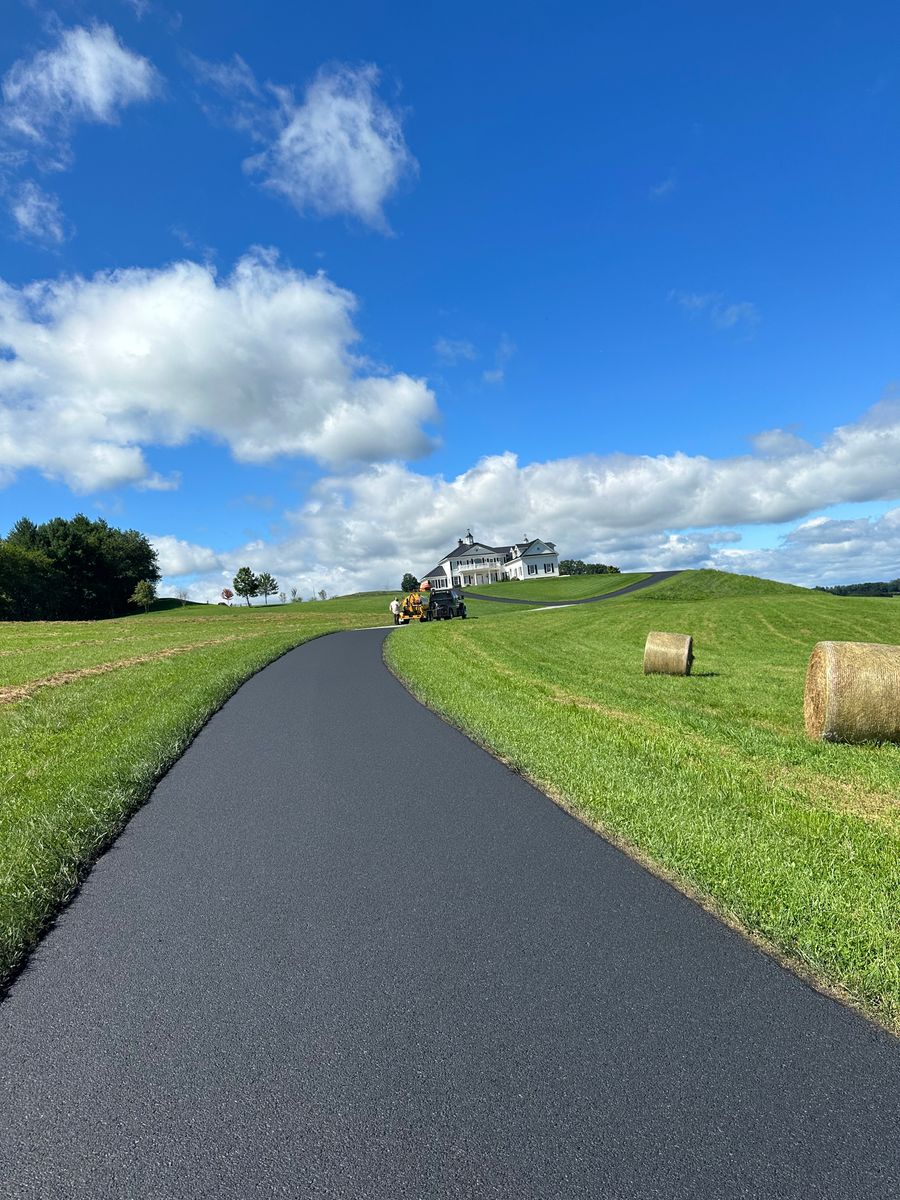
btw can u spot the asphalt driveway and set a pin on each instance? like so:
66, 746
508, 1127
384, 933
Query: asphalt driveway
342, 952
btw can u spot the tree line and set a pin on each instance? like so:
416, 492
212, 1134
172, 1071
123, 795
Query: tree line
574, 566
891, 588
72, 569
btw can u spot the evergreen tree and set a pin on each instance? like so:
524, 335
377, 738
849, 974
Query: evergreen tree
90, 568
29, 584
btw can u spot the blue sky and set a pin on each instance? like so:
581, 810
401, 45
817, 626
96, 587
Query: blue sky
316, 288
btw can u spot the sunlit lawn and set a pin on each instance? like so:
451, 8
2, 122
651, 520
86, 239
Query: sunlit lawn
710, 776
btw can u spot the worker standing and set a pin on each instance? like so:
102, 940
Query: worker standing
395, 610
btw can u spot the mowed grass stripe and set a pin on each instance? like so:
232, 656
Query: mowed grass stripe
26, 650
710, 777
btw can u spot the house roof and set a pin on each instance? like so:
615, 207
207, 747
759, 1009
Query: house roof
537, 542
464, 550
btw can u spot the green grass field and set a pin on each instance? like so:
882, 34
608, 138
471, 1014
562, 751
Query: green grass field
93, 713
710, 778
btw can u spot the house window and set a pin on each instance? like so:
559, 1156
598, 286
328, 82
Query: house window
548, 568
532, 568
456, 581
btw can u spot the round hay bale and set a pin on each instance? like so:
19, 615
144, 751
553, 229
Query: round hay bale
668, 654
853, 692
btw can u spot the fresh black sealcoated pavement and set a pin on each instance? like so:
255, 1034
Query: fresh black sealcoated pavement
653, 578
342, 952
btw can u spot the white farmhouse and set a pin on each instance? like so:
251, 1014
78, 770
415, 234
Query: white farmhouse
473, 564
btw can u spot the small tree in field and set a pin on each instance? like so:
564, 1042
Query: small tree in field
323, 595
266, 586
282, 597
410, 583
246, 584
227, 595
143, 595
295, 596
182, 596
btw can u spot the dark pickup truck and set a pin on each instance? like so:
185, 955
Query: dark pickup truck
446, 603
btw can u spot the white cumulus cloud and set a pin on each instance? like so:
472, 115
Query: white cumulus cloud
340, 151
89, 76
639, 512
825, 551
92, 371
177, 557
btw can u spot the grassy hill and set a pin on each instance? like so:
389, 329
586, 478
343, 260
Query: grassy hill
166, 603
711, 777
715, 585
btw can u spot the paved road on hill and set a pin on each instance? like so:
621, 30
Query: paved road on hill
344, 953
655, 577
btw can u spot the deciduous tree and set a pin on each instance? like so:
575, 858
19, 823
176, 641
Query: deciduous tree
246, 584
410, 582
266, 586
143, 595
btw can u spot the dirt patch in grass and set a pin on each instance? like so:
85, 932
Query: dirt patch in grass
21, 691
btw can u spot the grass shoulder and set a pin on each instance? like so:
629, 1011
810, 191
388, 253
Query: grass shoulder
709, 777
